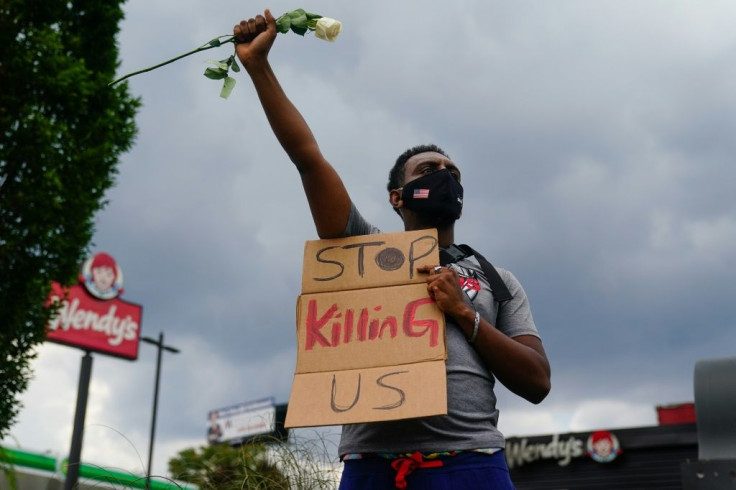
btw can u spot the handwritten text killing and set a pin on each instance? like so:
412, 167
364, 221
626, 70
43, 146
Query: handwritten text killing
329, 327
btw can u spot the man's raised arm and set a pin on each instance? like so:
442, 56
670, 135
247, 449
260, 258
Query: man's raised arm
328, 199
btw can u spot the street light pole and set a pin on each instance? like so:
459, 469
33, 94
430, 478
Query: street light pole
160, 345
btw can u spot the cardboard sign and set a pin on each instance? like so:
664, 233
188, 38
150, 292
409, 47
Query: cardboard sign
371, 342
368, 395
369, 327
368, 261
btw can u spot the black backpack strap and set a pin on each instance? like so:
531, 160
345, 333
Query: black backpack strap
498, 287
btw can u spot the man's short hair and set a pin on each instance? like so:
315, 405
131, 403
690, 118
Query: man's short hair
396, 175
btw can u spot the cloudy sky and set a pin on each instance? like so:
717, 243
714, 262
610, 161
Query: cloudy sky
596, 141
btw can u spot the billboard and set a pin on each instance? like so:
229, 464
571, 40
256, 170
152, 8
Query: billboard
91, 314
238, 424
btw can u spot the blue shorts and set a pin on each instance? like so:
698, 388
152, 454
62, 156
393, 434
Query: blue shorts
465, 471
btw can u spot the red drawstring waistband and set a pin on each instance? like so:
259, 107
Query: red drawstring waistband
405, 466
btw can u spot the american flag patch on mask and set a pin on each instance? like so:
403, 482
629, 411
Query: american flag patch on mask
421, 193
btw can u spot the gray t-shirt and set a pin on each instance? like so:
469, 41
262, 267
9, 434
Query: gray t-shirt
471, 422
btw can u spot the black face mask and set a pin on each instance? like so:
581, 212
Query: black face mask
438, 195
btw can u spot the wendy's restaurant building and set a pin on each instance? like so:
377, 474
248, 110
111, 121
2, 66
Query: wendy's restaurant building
636, 458
693, 447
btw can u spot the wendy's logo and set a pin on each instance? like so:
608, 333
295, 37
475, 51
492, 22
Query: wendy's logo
603, 446
102, 277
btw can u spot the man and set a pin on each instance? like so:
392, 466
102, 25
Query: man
485, 338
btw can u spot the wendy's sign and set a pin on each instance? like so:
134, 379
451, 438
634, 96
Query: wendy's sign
370, 340
92, 316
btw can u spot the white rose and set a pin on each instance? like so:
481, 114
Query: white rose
327, 28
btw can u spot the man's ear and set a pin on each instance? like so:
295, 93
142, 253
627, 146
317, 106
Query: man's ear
394, 198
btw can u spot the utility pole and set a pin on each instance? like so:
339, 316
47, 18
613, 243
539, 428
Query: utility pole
160, 345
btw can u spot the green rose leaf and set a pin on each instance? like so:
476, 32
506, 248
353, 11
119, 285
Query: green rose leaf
299, 30
227, 87
234, 65
299, 22
222, 65
282, 24
296, 13
311, 16
215, 43
215, 73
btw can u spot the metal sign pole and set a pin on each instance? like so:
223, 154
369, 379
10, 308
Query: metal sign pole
75, 452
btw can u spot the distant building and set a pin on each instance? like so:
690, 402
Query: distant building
615, 459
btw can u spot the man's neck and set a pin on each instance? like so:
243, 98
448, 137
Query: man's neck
445, 233
446, 236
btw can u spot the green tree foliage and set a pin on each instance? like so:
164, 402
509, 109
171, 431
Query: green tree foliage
221, 467
62, 130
